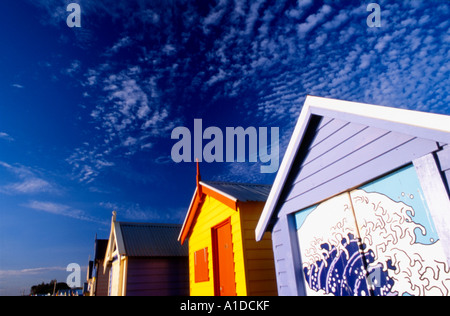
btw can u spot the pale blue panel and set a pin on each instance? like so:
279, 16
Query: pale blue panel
300, 217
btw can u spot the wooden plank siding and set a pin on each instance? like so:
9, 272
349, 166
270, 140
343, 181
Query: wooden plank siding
258, 256
287, 258
343, 155
158, 276
102, 280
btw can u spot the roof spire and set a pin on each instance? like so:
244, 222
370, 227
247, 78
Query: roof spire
199, 178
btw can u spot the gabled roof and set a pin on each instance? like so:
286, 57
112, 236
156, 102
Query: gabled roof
227, 193
144, 240
418, 124
242, 192
152, 240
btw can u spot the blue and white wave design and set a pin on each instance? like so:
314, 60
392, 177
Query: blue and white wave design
387, 258
345, 273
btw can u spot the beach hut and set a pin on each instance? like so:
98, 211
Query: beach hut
97, 277
224, 258
360, 205
145, 259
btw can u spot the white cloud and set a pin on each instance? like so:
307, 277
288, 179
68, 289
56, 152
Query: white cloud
253, 15
87, 162
337, 21
130, 141
169, 49
128, 111
29, 186
366, 60
299, 10
143, 111
61, 210
215, 16
147, 146
121, 43
30, 182
135, 212
73, 68
49, 207
320, 40
313, 21
30, 271
265, 58
5, 136
304, 4
18, 86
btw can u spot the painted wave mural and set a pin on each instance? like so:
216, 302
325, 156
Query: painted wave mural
365, 243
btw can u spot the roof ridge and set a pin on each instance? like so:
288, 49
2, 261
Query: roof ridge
150, 224
237, 183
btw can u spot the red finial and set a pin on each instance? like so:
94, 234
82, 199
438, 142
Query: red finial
199, 178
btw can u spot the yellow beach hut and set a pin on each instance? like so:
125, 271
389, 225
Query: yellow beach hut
224, 257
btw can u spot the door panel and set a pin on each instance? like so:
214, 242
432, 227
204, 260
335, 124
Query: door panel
224, 263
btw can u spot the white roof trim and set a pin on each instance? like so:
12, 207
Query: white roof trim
283, 172
115, 238
119, 239
382, 116
203, 184
425, 125
187, 214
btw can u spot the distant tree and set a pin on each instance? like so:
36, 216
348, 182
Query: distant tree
47, 288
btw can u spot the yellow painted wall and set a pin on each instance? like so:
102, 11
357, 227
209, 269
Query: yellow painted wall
213, 213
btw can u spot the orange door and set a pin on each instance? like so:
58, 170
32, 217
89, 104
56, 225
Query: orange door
224, 261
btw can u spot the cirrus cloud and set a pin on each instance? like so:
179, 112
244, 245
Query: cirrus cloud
5, 136
61, 210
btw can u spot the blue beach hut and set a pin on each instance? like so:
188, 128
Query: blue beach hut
360, 205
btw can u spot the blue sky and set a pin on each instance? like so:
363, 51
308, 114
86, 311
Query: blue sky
86, 114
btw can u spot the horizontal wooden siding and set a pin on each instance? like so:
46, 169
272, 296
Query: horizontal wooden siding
344, 155
158, 276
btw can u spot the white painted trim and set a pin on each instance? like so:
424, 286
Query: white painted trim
124, 265
187, 214
430, 121
437, 198
119, 239
110, 247
283, 172
232, 198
